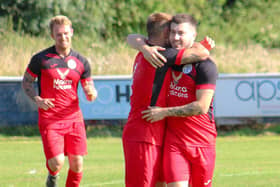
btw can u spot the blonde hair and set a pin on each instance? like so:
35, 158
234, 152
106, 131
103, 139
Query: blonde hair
59, 20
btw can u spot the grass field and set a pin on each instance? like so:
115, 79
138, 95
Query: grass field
242, 161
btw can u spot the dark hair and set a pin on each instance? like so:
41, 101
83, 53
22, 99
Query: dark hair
184, 18
157, 22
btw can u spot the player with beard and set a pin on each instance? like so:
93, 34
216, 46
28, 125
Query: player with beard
189, 149
142, 141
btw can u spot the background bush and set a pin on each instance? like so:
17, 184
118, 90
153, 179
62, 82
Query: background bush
228, 21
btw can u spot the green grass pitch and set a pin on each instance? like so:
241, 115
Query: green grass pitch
242, 161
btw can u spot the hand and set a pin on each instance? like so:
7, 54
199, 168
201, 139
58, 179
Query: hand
92, 95
199, 51
89, 89
208, 43
153, 114
44, 103
152, 55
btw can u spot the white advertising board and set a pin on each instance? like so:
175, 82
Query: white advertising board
248, 95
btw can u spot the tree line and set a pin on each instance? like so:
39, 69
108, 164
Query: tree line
228, 21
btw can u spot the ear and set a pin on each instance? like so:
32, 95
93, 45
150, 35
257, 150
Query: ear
166, 32
52, 35
72, 31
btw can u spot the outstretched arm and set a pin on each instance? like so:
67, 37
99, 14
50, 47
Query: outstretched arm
200, 106
151, 53
199, 51
194, 54
136, 41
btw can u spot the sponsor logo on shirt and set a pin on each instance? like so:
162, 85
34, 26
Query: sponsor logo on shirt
62, 74
62, 84
179, 91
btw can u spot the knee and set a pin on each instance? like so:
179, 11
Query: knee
56, 163
76, 163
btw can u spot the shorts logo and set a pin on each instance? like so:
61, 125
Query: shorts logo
208, 182
187, 68
72, 64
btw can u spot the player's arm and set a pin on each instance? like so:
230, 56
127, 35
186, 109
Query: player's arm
27, 85
198, 52
151, 53
89, 89
194, 54
200, 106
207, 75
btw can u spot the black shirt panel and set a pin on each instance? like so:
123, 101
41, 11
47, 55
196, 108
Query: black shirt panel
170, 54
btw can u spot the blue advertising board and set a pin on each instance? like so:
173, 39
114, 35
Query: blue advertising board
237, 97
15, 107
112, 101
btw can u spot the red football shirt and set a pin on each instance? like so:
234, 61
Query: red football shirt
58, 78
149, 87
198, 130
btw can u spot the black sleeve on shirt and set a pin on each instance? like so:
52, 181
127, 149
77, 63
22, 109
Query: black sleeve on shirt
207, 72
87, 70
35, 65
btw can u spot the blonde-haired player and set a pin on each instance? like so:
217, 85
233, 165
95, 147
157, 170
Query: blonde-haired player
59, 69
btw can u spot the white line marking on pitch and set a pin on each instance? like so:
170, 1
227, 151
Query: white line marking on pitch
247, 173
105, 183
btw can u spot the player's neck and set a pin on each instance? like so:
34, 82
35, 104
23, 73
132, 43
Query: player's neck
62, 52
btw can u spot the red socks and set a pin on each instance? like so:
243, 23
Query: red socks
73, 179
